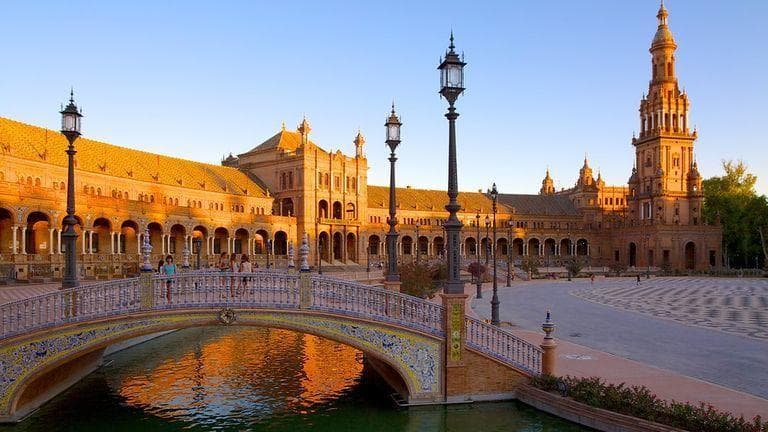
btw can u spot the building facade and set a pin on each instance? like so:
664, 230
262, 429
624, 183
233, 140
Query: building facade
265, 200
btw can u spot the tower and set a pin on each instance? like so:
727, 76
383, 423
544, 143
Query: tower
359, 144
303, 129
547, 185
661, 190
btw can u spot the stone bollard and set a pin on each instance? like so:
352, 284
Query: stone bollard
548, 345
145, 277
305, 282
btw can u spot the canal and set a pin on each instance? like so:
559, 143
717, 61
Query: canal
244, 378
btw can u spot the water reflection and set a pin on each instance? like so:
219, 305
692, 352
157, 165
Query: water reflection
219, 374
241, 378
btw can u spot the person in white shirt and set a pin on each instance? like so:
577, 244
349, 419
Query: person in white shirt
247, 268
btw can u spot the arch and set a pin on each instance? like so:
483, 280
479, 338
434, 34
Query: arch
421, 377
632, 254
422, 246
533, 247
260, 242
220, 240
324, 242
156, 237
690, 255
517, 247
336, 210
351, 215
407, 245
338, 240
502, 245
374, 243
566, 247
470, 246
6, 231
322, 209
199, 243
582, 247
37, 235
485, 247
351, 247
177, 241
550, 247
280, 245
102, 231
438, 246
286, 207
241, 241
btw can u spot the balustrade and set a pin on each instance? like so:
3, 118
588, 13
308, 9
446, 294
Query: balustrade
262, 289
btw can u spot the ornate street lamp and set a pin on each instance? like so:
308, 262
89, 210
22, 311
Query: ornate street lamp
198, 244
509, 252
70, 128
393, 140
477, 257
495, 299
451, 86
487, 248
418, 241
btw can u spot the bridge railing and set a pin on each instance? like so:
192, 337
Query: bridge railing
72, 305
357, 299
503, 345
260, 289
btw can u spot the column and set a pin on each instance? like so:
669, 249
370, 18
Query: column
23, 240
138, 243
557, 249
50, 241
59, 240
90, 242
525, 247
112, 242
162, 244
15, 241
119, 242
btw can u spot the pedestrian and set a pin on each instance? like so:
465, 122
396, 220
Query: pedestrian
160, 266
638, 279
246, 268
169, 269
592, 278
223, 266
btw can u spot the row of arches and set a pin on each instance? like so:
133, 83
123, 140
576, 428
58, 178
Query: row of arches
38, 233
407, 245
336, 211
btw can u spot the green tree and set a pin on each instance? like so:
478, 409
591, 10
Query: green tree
530, 265
575, 266
419, 279
731, 200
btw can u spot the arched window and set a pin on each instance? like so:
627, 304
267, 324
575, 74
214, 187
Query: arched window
669, 69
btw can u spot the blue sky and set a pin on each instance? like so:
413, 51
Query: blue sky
546, 82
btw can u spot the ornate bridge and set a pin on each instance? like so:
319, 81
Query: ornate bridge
49, 342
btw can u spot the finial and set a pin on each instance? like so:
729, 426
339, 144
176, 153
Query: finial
282, 125
71, 94
451, 46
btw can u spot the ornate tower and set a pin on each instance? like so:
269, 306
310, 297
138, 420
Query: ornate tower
359, 143
661, 190
547, 185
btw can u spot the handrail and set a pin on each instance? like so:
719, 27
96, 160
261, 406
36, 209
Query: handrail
261, 289
503, 345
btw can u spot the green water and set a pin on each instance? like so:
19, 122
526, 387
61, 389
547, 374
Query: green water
238, 379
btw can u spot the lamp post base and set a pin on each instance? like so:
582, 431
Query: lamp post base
392, 286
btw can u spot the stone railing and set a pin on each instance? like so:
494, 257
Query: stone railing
503, 346
262, 289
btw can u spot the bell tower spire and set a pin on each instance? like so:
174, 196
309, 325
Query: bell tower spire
659, 187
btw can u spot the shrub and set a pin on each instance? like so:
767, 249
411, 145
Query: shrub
639, 401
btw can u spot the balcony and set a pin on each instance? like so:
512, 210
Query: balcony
332, 221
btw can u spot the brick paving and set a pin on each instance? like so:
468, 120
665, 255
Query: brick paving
737, 306
665, 323
11, 293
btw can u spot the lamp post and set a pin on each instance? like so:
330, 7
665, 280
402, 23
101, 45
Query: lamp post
509, 252
487, 247
451, 86
269, 247
198, 243
495, 299
570, 256
418, 241
392, 126
70, 128
477, 258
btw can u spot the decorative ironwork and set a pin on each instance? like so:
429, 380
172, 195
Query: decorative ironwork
227, 316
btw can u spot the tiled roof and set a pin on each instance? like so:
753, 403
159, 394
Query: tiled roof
44, 145
555, 205
427, 200
284, 139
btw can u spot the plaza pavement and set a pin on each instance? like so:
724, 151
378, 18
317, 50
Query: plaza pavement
646, 337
